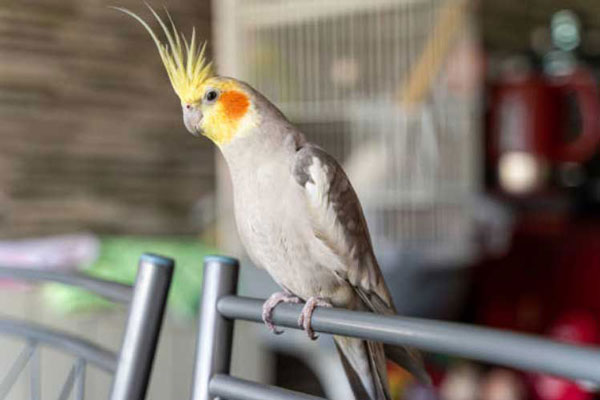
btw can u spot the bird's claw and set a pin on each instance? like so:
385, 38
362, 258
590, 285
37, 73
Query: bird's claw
267, 317
269, 306
305, 319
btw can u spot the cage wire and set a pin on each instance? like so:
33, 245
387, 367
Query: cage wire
368, 81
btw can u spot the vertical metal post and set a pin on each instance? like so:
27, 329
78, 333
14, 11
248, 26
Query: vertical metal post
35, 376
143, 327
215, 333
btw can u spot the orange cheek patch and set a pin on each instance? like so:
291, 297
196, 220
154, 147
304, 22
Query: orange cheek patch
235, 104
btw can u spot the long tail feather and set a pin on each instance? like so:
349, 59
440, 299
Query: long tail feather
410, 360
364, 363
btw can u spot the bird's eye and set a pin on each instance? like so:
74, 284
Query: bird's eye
211, 96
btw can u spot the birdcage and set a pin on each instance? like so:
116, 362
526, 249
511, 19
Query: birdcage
389, 87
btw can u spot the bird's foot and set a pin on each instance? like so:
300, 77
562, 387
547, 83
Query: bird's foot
271, 303
304, 321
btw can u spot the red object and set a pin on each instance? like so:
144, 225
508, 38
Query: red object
551, 267
530, 114
575, 327
578, 277
546, 284
547, 387
572, 327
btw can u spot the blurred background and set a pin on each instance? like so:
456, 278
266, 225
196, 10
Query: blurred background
469, 128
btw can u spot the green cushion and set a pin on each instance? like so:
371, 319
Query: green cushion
118, 262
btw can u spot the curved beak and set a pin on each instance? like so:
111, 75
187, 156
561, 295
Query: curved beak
192, 118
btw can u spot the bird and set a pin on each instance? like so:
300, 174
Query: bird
296, 211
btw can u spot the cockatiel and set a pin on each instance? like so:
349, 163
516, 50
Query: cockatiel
296, 211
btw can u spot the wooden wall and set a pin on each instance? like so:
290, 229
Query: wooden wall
91, 136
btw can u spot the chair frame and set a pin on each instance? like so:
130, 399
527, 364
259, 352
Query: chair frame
132, 365
220, 307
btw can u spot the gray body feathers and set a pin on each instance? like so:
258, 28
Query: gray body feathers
300, 219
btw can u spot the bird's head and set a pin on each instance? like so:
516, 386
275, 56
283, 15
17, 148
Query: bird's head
222, 110
217, 107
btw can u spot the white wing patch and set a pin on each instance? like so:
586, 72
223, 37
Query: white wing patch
336, 220
318, 185
325, 220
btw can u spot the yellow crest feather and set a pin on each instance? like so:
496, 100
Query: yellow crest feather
183, 60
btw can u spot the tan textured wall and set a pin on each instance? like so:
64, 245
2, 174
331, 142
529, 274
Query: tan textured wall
90, 130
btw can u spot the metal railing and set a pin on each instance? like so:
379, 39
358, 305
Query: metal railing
131, 366
220, 307
113, 291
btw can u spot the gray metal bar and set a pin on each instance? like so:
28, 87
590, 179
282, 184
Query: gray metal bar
67, 388
80, 390
239, 389
215, 333
143, 327
35, 376
521, 351
113, 291
16, 369
100, 357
